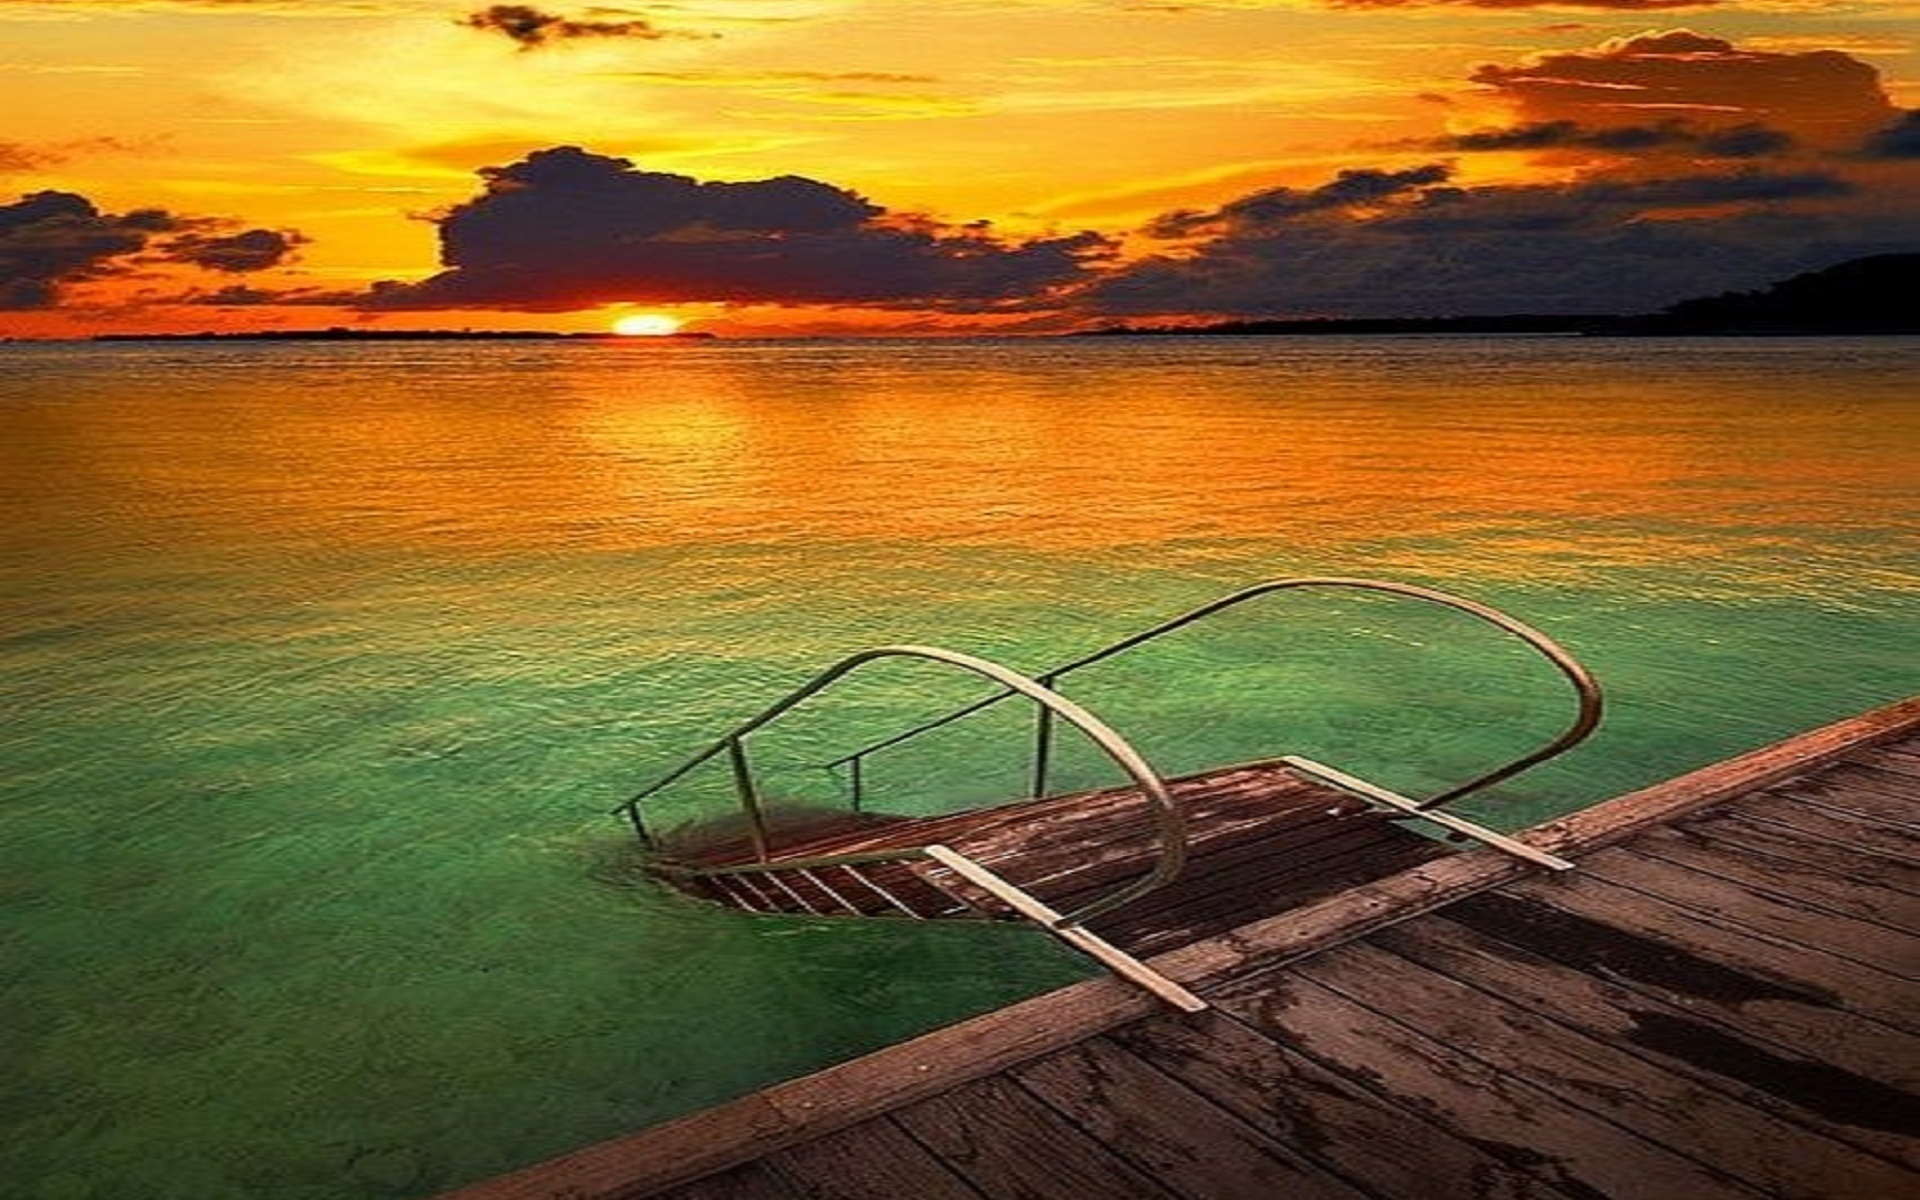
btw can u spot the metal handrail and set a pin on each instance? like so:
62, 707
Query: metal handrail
1170, 821
1587, 690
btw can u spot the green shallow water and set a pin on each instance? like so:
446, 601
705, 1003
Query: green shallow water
325, 663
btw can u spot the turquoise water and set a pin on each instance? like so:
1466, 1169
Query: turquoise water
325, 663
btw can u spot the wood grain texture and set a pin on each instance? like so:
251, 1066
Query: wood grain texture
1177, 1135
1570, 1147
875, 1160
1763, 910
1383, 1147
1686, 937
1010, 1145
1839, 823
1615, 1011
1604, 1076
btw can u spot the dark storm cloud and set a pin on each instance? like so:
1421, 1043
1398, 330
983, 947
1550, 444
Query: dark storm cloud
565, 229
1437, 248
1898, 140
236, 253
242, 295
1348, 189
1750, 140
1706, 190
49, 240
532, 28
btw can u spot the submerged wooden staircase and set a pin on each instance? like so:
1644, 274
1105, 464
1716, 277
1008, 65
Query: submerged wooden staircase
1118, 872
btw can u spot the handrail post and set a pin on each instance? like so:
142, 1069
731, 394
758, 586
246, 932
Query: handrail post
749, 796
639, 825
1042, 741
854, 779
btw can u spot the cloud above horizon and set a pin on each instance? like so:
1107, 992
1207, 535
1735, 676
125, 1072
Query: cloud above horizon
1822, 97
1682, 164
27, 157
50, 241
531, 28
564, 229
1751, 140
1897, 141
1434, 247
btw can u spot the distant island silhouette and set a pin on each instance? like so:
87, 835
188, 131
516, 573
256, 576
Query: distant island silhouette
1879, 294
341, 333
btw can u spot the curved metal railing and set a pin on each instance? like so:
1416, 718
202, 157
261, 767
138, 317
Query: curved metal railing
1586, 689
1170, 822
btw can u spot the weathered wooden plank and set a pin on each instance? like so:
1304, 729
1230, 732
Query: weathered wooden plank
1841, 826
1770, 1006
1007, 1144
749, 1181
1807, 1079
1638, 930
1567, 1145
1764, 911
1386, 1149
1896, 758
1083, 864
1856, 789
1862, 774
1169, 1131
1272, 857
1098, 847
1831, 791
1270, 865
1726, 825
1779, 1158
875, 1160
1119, 810
1844, 883
1155, 931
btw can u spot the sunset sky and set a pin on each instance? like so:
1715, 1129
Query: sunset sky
807, 166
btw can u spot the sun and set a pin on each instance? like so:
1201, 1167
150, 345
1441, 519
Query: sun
647, 325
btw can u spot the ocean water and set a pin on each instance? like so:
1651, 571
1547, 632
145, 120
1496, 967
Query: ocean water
325, 663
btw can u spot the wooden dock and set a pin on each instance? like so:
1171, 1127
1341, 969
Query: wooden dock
1721, 1001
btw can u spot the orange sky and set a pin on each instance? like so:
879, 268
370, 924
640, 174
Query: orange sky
242, 164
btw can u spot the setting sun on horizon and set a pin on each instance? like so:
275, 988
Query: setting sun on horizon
649, 324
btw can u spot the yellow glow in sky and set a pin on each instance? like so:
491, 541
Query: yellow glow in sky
357, 122
646, 325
